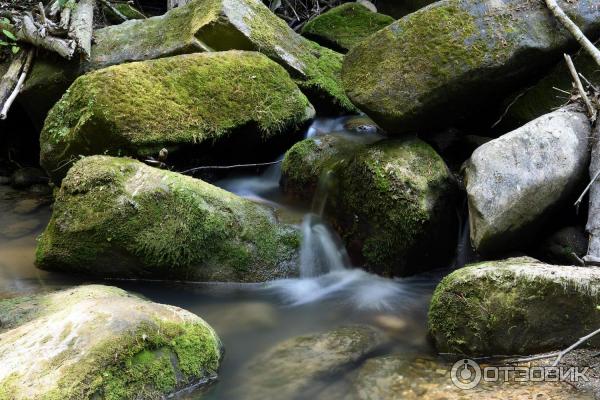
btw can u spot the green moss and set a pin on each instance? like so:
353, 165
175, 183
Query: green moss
8, 387
160, 224
344, 26
204, 98
489, 308
150, 361
129, 11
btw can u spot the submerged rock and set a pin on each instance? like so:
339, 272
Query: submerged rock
199, 101
401, 377
297, 365
392, 202
116, 217
344, 26
448, 59
28, 176
101, 342
514, 306
515, 181
219, 25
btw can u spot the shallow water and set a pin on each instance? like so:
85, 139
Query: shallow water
252, 318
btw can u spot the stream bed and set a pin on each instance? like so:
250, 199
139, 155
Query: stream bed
252, 318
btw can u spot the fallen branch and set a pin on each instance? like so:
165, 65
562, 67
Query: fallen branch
19, 86
29, 33
574, 29
588, 104
82, 24
65, 15
574, 346
231, 166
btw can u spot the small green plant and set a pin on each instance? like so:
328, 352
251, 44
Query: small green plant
8, 39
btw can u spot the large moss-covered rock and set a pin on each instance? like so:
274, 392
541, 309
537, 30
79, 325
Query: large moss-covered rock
342, 27
299, 365
516, 181
218, 25
391, 201
448, 59
543, 98
515, 306
191, 101
99, 342
116, 217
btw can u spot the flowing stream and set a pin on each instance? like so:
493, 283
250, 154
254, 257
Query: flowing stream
250, 318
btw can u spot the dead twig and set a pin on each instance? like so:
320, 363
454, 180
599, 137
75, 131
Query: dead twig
578, 343
230, 166
588, 104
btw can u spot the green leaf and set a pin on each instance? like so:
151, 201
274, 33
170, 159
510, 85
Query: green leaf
15, 49
3, 43
9, 35
5, 20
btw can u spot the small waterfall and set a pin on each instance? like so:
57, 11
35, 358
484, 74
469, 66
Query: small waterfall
464, 252
321, 251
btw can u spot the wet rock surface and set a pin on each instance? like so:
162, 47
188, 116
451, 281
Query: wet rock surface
99, 341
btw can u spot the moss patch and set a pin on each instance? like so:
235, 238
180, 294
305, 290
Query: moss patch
155, 223
342, 27
138, 108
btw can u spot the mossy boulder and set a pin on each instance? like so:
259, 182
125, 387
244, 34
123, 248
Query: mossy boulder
454, 56
391, 201
94, 342
543, 98
342, 27
219, 25
514, 306
188, 103
302, 364
516, 182
117, 217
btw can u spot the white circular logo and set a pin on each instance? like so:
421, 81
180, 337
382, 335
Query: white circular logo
465, 374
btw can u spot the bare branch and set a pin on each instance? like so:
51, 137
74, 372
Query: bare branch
574, 29
20, 83
591, 110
